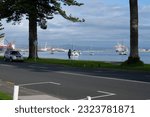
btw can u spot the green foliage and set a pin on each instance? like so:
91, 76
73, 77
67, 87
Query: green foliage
89, 64
1, 28
15, 10
37, 12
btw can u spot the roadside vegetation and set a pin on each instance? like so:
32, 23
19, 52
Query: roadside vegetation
4, 96
91, 64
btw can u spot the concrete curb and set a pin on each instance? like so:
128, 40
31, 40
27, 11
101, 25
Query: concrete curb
25, 93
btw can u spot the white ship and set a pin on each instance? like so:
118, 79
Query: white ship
121, 49
75, 53
4, 47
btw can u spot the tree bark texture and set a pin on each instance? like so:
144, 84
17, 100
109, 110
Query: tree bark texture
33, 45
134, 29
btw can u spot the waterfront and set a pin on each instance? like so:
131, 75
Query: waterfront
103, 55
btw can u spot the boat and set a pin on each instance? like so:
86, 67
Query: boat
144, 50
121, 49
45, 49
4, 47
123, 52
91, 53
75, 53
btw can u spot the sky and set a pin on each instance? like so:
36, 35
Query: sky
106, 23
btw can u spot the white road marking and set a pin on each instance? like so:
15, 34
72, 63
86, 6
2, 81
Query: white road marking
38, 83
106, 94
101, 77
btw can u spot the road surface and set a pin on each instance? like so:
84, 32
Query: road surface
78, 83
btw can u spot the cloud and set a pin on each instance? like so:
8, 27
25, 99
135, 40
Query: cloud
104, 21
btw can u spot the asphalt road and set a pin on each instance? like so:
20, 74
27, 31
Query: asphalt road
77, 83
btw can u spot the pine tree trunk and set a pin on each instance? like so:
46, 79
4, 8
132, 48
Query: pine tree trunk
134, 54
32, 36
134, 29
133, 59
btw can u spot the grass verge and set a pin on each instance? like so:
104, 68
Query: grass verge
92, 64
4, 96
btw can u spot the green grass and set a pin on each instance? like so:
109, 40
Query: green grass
74, 63
1, 57
92, 64
4, 96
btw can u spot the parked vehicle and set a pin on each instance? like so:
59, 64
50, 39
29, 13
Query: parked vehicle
13, 55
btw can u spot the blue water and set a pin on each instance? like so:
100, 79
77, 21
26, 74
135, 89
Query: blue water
109, 55
104, 49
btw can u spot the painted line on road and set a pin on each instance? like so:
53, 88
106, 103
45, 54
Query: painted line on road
106, 94
38, 83
102, 77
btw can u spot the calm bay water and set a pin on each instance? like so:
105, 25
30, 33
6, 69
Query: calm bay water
107, 55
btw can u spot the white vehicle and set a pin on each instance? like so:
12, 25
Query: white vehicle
13, 55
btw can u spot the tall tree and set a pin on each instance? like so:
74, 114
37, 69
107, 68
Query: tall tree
134, 54
37, 12
1, 28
